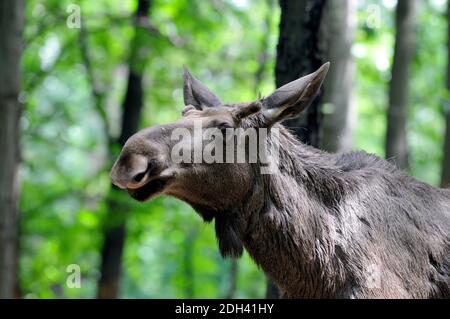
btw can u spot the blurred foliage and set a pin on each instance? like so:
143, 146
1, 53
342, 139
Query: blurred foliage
373, 51
229, 44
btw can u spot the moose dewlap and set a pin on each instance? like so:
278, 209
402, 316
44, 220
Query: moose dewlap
320, 225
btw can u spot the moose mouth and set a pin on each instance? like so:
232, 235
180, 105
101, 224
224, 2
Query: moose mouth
149, 190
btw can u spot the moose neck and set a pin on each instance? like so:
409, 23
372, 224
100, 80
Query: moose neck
287, 220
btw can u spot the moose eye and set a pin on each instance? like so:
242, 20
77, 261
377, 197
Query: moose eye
223, 127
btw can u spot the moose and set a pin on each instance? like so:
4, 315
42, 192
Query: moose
322, 225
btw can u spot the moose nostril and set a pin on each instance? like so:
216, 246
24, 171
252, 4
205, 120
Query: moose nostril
139, 177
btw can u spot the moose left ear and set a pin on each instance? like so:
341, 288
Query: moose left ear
292, 99
197, 94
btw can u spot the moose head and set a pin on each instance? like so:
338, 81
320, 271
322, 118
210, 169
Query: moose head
146, 166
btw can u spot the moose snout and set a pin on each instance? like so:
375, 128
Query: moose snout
130, 172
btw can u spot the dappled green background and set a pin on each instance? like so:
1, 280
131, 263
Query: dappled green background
169, 252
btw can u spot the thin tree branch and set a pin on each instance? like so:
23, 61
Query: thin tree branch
97, 93
265, 45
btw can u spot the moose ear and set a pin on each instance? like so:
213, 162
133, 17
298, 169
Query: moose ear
197, 94
292, 99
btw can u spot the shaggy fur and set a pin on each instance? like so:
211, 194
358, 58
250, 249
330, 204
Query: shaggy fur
342, 226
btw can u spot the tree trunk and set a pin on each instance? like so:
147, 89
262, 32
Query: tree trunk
446, 161
11, 24
272, 291
264, 54
396, 139
445, 182
339, 112
300, 51
115, 229
234, 270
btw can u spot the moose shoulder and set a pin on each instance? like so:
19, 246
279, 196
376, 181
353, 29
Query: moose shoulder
320, 225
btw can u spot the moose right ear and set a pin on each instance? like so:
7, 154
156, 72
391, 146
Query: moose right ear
292, 99
197, 94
